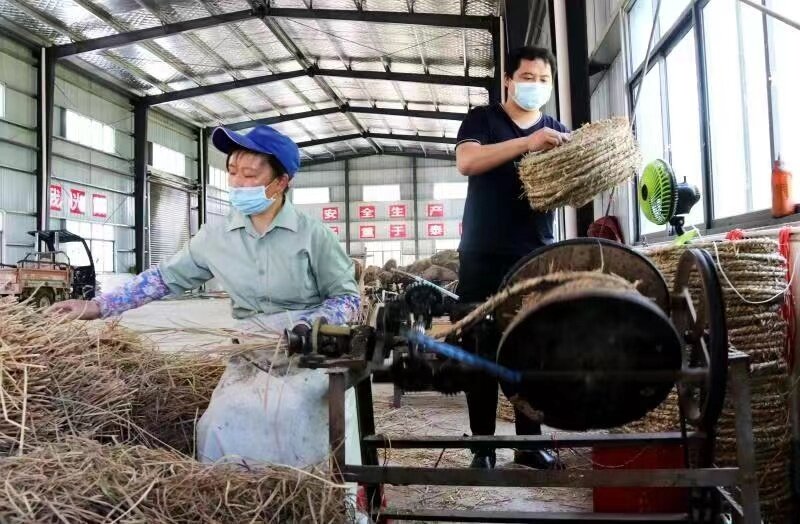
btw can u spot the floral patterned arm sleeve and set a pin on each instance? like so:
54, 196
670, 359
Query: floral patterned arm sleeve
141, 289
336, 310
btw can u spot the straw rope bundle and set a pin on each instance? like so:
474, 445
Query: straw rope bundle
758, 271
599, 156
80, 480
65, 378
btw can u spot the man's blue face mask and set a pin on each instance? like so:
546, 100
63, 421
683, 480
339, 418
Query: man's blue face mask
250, 200
531, 96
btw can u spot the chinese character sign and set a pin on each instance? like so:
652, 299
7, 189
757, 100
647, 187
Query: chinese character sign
435, 210
77, 202
56, 198
330, 214
366, 232
367, 212
335, 229
99, 206
397, 211
397, 231
435, 230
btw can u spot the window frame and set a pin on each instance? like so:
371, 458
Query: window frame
399, 193
103, 127
2, 100
692, 19
326, 200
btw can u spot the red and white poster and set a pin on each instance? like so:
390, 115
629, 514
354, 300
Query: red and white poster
366, 232
99, 206
435, 230
367, 212
77, 202
398, 211
330, 214
435, 210
335, 229
397, 231
56, 197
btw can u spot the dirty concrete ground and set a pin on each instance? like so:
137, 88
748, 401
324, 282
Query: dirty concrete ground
183, 325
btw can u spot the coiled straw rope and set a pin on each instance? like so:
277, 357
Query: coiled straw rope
599, 156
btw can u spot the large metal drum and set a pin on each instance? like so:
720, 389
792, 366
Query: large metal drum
592, 357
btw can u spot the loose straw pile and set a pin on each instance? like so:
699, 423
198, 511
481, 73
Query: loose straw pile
599, 156
66, 378
81, 480
756, 269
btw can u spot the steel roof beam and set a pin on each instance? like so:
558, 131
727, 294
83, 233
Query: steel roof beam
410, 113
351, 156
378, 136
383, 17
211, 89
140, 35
312, 72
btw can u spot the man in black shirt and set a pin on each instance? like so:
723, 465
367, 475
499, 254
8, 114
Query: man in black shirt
499, 225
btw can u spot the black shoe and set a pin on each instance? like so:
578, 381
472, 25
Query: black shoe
537, 460
484, 460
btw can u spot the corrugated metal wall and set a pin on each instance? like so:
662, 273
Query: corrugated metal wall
173, 207
609, 99
95, 172
17, 151
381, 170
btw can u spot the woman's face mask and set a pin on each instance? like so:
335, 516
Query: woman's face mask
531, 96
251, 200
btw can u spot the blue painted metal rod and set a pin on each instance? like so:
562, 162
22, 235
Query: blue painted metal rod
456, 353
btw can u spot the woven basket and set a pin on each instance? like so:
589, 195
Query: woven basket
755, 268
599, 156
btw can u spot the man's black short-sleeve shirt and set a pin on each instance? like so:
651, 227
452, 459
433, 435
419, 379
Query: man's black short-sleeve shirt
497, 215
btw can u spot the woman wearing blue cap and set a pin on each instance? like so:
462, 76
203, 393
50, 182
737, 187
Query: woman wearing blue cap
282, 270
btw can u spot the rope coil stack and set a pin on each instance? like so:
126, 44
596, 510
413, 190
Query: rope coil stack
600, 156
758, 272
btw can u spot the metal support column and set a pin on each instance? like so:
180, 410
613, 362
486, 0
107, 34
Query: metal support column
202, 178
580, 90
347, 206
45, 105
140, 110
415, 181
496, 90
739, 381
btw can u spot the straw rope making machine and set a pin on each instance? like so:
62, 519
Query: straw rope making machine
590, 338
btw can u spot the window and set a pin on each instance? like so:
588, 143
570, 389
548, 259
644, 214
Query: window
785, 79
738, 108
2, 101
649, 130
446, 244
385, 193
449, 190
311, 195
378, 253
168, 160
218, 178
89, 132
99, 238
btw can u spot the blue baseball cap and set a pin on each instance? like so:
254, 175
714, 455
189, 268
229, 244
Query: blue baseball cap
260, 139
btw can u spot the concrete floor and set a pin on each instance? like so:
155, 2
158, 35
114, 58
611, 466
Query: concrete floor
189, 324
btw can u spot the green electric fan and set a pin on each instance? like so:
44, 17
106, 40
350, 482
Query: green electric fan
665, 201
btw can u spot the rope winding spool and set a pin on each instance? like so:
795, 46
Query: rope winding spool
599, 156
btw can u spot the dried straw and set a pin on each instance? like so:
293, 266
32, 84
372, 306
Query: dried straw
599, 156
758, 271
62, 378
80, 480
